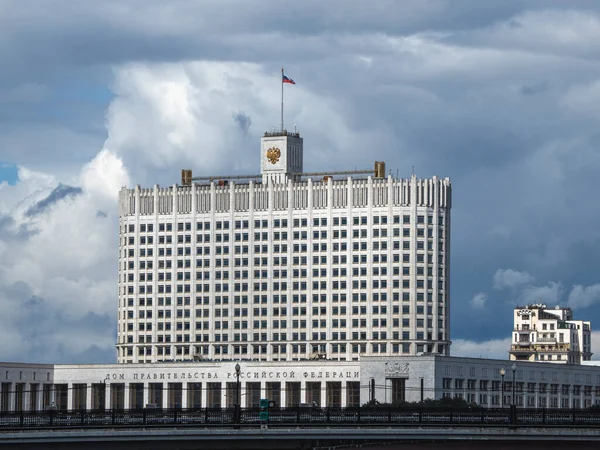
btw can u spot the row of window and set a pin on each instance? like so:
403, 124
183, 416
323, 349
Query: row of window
282, 223
283, 273
316, 310
281, 261
496, 400
258, 349
282, 337
281, 286
283, 298
519, 374
276, 236
421, 323
283, 248
541, 388
276, 299
244, 250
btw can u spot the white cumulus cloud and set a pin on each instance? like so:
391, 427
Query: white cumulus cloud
478, 300
508, 278
103, 177
187, 115
57, 277
550, 294
583, 296
495, 348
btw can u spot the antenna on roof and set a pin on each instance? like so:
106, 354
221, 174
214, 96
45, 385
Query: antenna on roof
413, 170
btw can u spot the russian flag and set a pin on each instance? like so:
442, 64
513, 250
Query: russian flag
288, 80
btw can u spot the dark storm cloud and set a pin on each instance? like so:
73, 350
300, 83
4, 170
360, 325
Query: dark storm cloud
114, 32
59, 193
44, 331
535, 88
243, 121
10, 231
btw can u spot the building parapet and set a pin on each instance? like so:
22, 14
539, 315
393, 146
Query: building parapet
328, 193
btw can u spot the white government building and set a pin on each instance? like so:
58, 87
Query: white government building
283, 266
326, 288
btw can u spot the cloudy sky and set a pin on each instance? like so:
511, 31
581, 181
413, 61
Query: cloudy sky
500, 95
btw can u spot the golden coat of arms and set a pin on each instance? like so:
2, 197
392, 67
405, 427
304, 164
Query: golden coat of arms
273, 155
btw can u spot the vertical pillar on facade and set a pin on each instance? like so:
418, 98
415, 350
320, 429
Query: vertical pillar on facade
26, 396
184, 388
436, 264
165, 395
223, 393
348, 304
194, 349
309, 256
52, 395
204, 396
390, 232
11, 397
137, 209
174, 215
254, 192
39, 399
271, 206
155, 277
328, 330
263, 390
303, 391
107, 396
213, 209
370, 195
413, 263
70, 396
146, 394
126, 394
288, 292
88, 396
283, 394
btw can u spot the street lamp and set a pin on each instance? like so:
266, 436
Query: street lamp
514, 371
502, 373
237, 390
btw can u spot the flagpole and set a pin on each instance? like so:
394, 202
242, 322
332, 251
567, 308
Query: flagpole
282, 99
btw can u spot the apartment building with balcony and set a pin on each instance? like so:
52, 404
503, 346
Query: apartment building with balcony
548, 334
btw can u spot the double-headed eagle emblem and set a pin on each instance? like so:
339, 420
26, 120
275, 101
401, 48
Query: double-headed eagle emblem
273, 155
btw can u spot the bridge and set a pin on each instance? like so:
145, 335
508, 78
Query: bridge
299, 428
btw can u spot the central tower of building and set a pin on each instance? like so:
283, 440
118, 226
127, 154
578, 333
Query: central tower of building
281, 157
284, 265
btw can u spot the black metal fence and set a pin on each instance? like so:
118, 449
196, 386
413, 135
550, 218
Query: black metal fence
301, 416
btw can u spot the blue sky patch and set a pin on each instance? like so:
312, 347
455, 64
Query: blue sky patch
9, 172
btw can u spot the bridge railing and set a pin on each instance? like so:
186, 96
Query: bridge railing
301, 416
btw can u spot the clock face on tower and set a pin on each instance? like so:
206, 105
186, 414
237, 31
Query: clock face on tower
273, 155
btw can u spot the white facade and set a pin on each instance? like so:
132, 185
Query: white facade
550, 334
285, 269
291, 383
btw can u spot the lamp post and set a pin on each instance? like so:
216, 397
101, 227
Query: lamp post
502, 373
514, 371
237, 391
